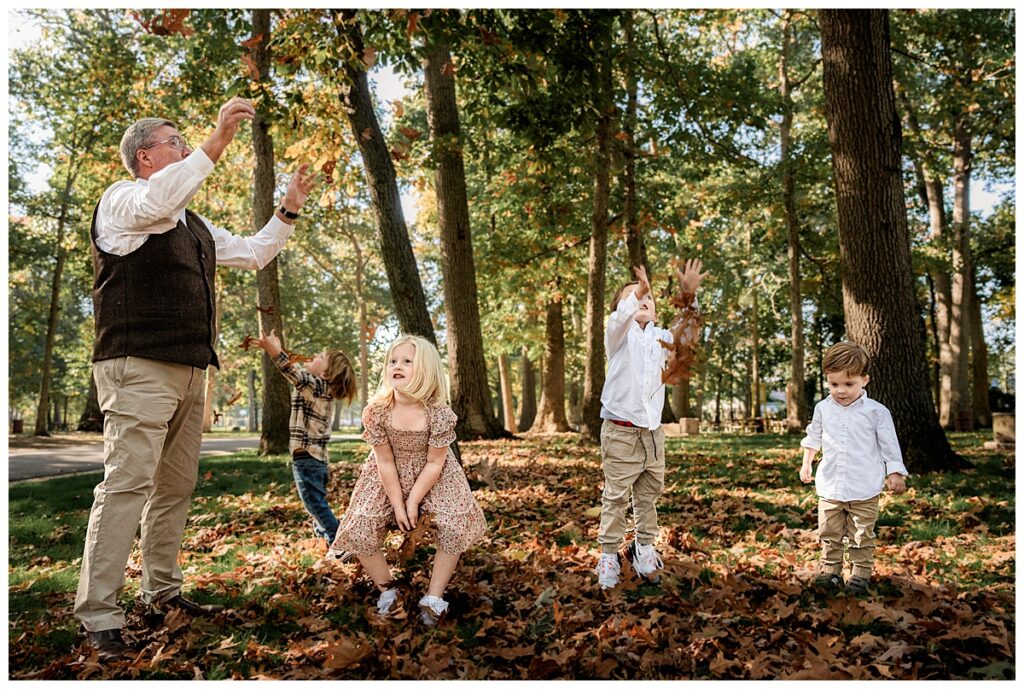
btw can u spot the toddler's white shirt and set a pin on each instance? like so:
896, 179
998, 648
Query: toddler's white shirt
633, 390
131, 211
859, 448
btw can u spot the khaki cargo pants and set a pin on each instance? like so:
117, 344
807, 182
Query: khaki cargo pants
856, 521
634, 465
152, 431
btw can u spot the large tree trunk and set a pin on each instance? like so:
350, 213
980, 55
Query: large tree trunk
681, 399
92, 417
634, 237
959, 322
879, 300
796, 405
979, 363
276, 395
593, 380
471, 399
396, 250
551, 414
528, 396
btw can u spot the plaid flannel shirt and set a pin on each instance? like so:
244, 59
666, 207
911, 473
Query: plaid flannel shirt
309, 427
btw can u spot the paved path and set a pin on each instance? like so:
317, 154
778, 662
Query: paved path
24, 463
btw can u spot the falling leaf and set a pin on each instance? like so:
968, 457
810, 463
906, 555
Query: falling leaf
252, 42
622, 136
410, 133
250, 67
412, 25
266, 309
367, 134
399, 108
246, 342
449, 69
369, 56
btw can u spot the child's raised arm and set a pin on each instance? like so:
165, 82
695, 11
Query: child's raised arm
308, 385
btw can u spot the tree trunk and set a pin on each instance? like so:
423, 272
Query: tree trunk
932, 186
507, 405
979, 363
471, 399
43, 408
396, 250
92, 417
551, 414
681, 399
879, 300
253, 405
528, 395
276, 395
634, 237
796, 405
593, 380
959, 322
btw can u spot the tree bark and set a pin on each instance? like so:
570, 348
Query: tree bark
528, 396
396, 250
635, 245
681, 399
471, 399
507, 405
551, 414
931, 186
959, 323
43, 408
796, 405
879, 299
593, 379
254, 411
276, 395
979, 363
92, 416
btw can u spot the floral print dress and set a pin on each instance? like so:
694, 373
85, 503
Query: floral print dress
459, 520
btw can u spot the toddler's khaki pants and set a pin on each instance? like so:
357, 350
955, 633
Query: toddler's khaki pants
634, 464
855, 520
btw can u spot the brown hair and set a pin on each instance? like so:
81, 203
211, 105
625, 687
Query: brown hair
340, 376
846, 356
618, 298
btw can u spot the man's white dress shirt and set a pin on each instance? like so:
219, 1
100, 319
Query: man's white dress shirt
859, 448
633, 390
131, 211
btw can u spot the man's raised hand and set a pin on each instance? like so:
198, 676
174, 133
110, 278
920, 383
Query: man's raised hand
299, 188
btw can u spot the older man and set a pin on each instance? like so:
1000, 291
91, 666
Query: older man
154, 304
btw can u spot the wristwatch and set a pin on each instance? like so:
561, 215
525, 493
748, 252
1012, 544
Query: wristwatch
287, 213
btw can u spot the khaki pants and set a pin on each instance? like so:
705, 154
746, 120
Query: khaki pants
856, 521
634, 464
152, 432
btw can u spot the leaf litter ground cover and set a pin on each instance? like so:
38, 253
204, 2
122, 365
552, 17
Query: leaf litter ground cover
737, 539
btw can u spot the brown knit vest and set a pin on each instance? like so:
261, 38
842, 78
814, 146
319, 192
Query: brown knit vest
157, 302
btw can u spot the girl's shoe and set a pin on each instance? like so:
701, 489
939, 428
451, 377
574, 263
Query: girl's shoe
608, 570
388, 602
432, 609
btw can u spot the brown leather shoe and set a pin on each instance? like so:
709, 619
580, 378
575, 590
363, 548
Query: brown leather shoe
191, 607
108, 644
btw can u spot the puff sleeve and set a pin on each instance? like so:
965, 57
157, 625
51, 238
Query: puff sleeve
442, 426
373, 425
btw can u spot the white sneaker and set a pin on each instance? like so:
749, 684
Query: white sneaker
645, 560
608, 570
386, 601
431, 609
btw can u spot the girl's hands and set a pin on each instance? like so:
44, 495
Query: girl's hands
690, 276
271, 343
412, 512
402, 518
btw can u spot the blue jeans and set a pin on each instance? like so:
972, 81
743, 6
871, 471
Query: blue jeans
311, 481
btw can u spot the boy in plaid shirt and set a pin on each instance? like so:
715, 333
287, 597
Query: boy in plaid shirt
329, 376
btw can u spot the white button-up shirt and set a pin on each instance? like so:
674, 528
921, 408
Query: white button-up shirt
633, 390
131, 211
859, 448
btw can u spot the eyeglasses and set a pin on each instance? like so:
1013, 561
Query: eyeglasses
175, 141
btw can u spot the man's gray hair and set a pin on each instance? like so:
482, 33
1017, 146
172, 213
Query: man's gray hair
138, 136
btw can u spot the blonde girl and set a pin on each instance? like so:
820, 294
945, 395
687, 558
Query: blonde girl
411, 471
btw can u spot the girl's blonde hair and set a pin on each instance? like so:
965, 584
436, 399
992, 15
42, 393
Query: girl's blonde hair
428, 384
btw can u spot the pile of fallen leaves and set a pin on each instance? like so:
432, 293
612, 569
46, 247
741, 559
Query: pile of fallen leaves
737, 540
